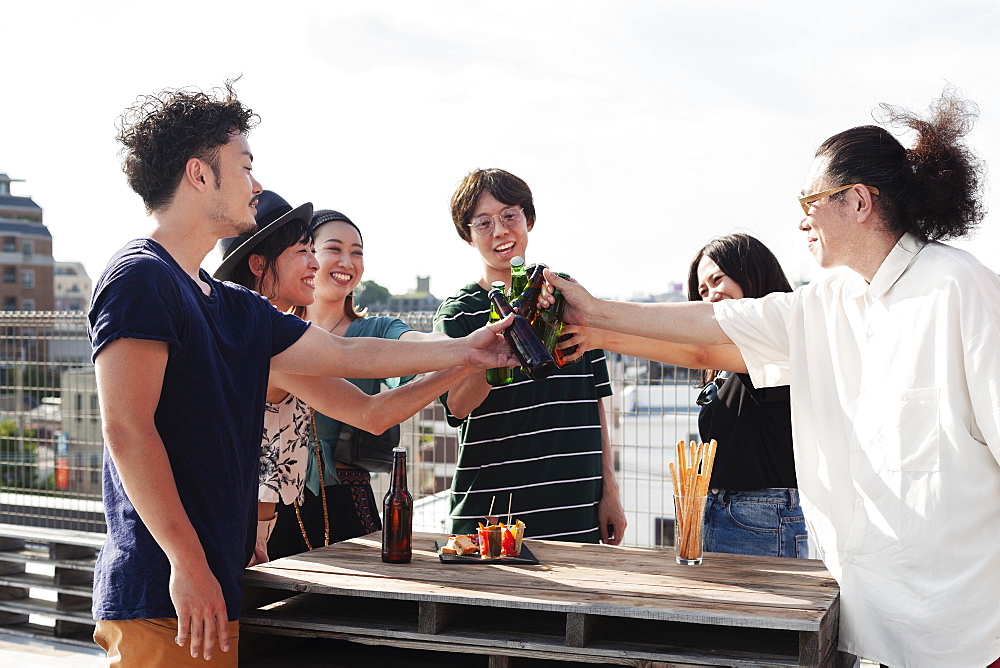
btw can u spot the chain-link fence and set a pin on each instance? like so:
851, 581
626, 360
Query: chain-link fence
51, 446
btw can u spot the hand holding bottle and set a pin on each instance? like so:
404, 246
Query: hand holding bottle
573, 343
487, 347
578, 300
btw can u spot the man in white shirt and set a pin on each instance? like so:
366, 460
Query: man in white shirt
894, 366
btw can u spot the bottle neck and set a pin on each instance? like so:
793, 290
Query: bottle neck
534, 283
500, 303
399, 471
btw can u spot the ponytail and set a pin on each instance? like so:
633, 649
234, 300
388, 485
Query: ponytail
934, 190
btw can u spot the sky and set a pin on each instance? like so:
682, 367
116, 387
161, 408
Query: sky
643, 128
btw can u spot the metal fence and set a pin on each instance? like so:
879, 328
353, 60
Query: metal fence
51, 447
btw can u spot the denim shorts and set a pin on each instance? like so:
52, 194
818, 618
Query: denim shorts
767, 522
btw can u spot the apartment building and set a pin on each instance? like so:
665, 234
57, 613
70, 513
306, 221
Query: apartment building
73, 287
26, 266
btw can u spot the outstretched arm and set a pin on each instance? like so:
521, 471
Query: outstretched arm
319, 353
129, 380
342, 400
725, 357
679, 322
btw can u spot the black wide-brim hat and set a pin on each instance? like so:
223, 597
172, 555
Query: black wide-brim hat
272, 212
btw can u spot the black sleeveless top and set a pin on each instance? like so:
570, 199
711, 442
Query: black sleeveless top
753, 428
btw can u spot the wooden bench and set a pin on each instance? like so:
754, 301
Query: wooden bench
68, 558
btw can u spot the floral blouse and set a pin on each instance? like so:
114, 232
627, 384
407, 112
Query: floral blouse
284, 451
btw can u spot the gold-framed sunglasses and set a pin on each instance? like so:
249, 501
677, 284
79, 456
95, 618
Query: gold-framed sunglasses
807, 200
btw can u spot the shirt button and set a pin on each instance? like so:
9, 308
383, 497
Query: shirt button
850, 560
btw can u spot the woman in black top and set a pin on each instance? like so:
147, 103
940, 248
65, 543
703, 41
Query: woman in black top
753, 505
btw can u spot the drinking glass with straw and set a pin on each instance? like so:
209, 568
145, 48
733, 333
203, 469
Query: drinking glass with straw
690, 475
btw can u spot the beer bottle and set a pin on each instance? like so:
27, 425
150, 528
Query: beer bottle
397, 514
501, 375
535, 360
518, 277
559, 355
548, 324
527, 303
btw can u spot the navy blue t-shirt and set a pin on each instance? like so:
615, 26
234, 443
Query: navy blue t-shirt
210, 418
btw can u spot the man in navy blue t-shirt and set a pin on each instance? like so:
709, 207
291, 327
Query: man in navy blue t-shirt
182, 362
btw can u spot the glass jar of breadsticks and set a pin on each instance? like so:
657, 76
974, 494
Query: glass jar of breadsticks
691, 474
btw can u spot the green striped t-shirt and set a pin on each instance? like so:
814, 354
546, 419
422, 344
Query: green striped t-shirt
536, 444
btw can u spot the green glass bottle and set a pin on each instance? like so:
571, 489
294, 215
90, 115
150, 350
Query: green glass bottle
548, 324
501, 375
518, 278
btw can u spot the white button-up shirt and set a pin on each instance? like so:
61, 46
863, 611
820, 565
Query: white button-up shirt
895, 390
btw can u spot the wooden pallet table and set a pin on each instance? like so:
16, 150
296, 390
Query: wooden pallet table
70, 555
582, 603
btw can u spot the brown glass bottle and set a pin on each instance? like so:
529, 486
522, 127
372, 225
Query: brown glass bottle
535, 360
397, 514
527, 303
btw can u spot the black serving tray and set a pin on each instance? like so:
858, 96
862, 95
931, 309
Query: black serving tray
526, 557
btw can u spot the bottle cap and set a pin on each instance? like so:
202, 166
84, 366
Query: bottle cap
517, 261
499, 285
399, 450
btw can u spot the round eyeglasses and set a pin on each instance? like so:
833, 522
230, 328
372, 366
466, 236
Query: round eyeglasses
509, 218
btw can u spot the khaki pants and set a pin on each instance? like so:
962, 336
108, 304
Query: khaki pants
142, 643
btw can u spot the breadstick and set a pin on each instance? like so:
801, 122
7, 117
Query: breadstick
682, 459
695, 461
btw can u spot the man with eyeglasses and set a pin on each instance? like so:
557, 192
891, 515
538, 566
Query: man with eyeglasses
893, 363
539, 447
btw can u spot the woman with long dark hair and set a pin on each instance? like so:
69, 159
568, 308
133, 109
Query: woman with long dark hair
753, 506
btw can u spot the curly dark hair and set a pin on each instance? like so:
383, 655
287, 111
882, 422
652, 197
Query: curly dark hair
161, 132
502, 185
934, 190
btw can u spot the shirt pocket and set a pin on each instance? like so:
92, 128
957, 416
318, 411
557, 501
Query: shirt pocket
911, 430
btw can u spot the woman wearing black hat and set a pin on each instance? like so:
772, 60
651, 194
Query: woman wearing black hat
350, 503
278, 262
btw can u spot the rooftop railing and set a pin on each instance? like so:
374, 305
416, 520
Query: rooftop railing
51, 446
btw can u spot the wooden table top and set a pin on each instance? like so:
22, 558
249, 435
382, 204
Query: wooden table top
640, 583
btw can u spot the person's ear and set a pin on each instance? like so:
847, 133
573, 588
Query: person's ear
196, 173
531, 223
256, 264
865, 206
